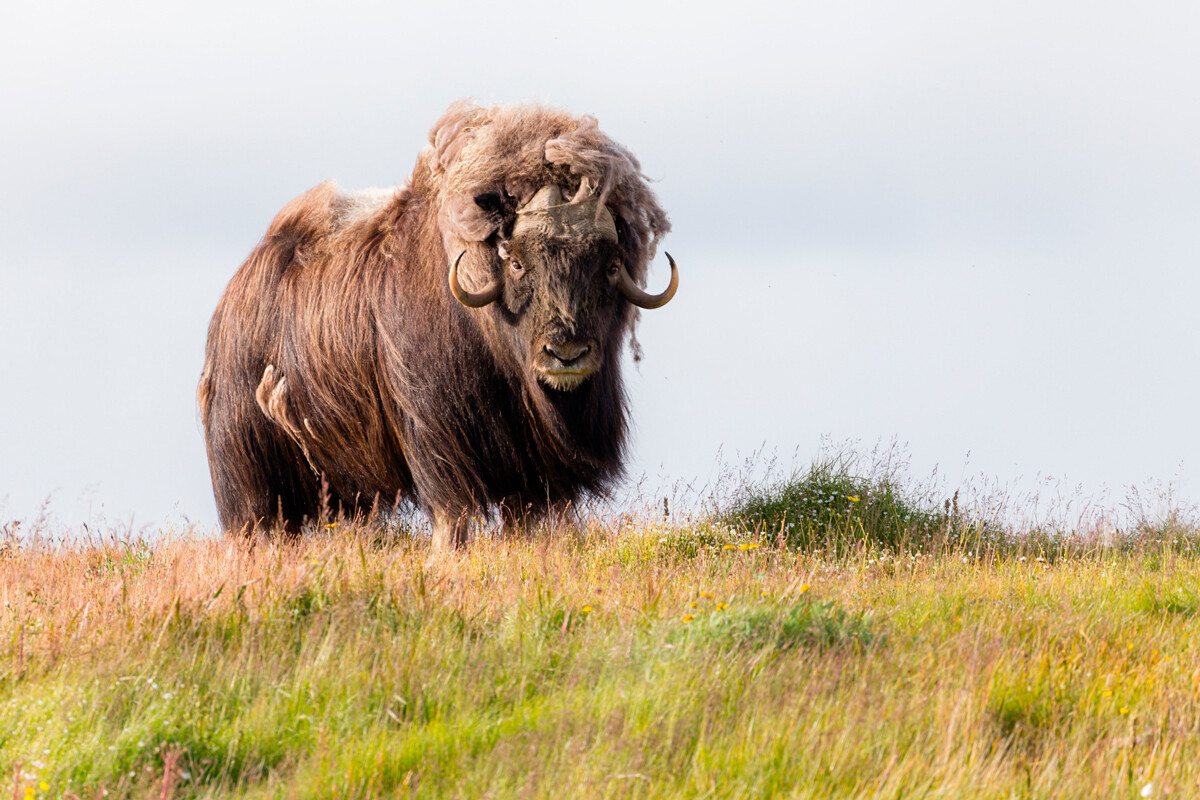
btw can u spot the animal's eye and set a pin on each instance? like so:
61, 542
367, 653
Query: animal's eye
614, 269
516, 266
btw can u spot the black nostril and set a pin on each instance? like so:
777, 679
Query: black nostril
567, 354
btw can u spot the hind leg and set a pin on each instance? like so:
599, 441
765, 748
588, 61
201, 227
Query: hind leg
260, 479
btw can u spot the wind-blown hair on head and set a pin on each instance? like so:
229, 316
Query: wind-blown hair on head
515, 150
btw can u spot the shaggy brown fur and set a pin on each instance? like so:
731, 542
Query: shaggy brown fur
340, 372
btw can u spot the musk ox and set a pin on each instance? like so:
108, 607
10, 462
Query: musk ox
454, 342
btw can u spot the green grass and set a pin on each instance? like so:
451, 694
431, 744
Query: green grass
712, 659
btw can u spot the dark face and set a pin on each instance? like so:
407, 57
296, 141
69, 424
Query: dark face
560, 290
560, 303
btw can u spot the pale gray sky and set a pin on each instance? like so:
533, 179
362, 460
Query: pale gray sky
971, 227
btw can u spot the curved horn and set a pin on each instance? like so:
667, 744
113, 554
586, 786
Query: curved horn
634, 294
473, 299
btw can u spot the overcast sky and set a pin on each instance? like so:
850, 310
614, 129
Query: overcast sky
973, 228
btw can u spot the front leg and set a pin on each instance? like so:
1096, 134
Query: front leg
521, 519
449, 529
514, 517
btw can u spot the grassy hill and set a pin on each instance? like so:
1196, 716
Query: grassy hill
826, 636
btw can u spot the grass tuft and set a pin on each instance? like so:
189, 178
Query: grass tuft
818, 625
831, 507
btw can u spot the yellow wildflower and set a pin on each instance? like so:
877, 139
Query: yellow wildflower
705, 594
688, 618
722, 606
729, 547
743, 546
587, 609
804, 588
45, 787
853, 498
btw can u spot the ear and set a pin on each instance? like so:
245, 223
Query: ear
491, 202
500, 208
